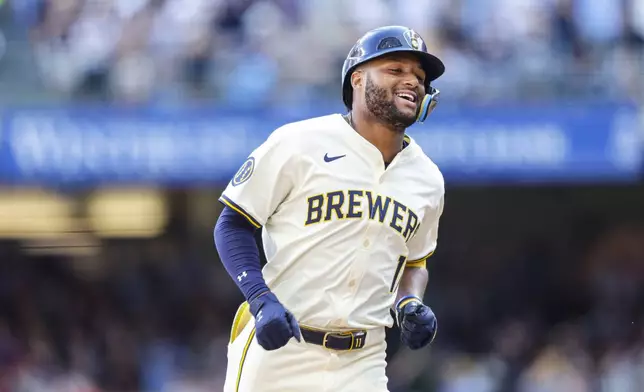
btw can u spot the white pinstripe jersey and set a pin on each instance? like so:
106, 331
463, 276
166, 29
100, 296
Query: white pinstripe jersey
338, 228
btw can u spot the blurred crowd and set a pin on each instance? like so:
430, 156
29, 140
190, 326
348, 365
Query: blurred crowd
155, 315
142, 316
541, 317
252, 53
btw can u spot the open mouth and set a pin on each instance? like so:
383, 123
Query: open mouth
407, 96
407, 99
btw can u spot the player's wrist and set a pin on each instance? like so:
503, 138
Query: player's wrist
407, 299
260, 301
258, 294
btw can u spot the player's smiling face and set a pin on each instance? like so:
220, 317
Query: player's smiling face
394, 88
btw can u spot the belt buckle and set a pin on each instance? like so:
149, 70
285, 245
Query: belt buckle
325, 339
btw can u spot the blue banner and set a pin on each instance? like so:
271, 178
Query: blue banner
541, 143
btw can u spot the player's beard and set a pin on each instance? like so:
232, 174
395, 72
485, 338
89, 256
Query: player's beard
384, 108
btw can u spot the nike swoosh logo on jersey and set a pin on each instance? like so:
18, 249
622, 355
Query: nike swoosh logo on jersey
327, 158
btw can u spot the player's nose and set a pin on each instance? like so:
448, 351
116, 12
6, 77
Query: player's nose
410, 81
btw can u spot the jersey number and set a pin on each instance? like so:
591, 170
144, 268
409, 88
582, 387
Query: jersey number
399, 270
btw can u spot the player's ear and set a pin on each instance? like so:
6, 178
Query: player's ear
357, 79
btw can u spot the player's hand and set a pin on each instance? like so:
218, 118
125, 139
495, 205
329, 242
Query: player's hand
418, 324
274, 325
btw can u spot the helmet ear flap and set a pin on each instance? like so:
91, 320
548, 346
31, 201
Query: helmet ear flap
347, 95
430, 100
347, 88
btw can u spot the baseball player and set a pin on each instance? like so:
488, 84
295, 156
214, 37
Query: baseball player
349, 207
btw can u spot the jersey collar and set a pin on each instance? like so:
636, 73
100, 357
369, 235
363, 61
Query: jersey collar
406, 152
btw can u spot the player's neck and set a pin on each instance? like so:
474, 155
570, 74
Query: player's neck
387, 139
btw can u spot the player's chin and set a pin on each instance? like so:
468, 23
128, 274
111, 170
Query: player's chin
405, 120
406, 107
405, 116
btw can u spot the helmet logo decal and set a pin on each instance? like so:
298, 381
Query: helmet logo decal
413, 39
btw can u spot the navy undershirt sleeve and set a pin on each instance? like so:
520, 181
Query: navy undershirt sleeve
235, 243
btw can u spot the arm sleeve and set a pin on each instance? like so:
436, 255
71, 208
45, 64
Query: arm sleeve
423, 244
263, 181
235, 243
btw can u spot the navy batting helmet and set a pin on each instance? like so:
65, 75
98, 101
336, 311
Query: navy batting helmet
389, 39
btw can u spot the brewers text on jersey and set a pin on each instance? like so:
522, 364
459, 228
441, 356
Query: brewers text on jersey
347, 205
